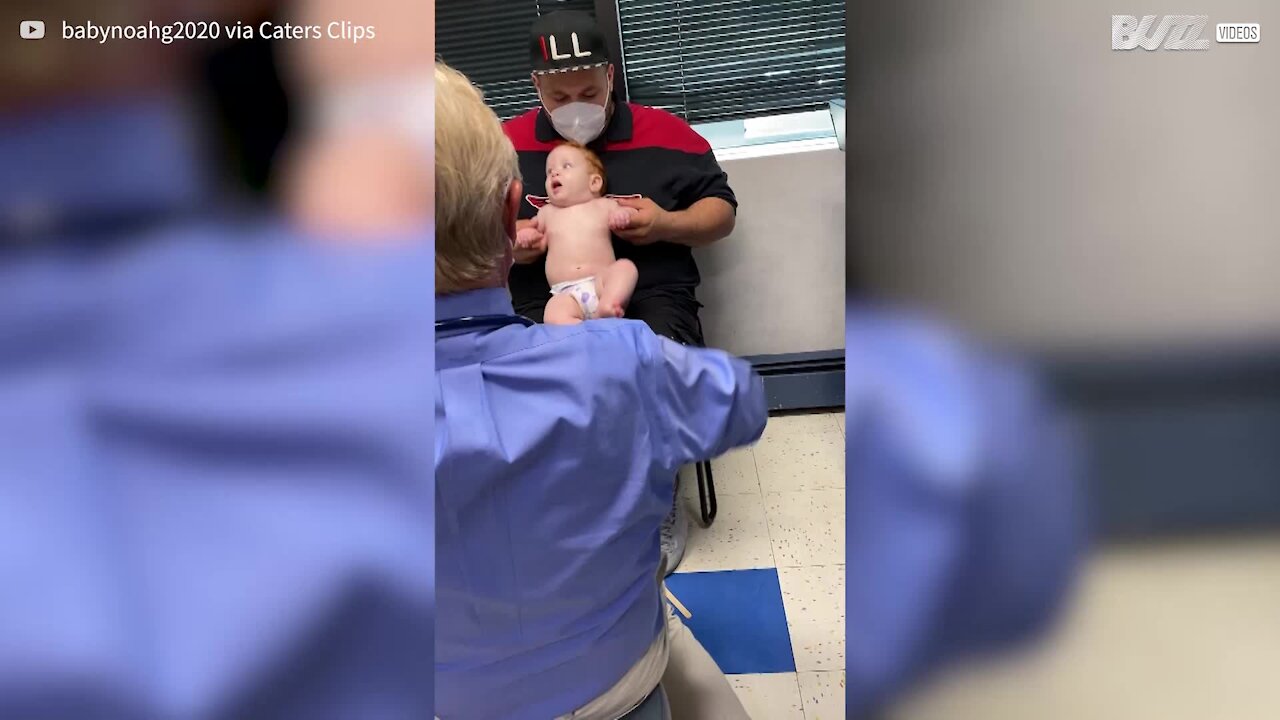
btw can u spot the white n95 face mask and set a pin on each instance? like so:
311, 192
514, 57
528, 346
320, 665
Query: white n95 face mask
580, 122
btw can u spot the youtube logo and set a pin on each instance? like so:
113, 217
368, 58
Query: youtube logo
31, 29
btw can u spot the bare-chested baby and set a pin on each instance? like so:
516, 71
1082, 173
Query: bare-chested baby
587, 280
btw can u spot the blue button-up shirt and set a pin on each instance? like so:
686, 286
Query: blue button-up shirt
556, 453
215, 499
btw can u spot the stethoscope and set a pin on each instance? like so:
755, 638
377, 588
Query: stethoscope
482, 322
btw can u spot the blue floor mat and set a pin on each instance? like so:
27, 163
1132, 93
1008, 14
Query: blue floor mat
738, 617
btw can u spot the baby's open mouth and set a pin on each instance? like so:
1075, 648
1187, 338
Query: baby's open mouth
556, 185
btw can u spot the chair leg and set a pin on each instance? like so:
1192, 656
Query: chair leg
706, 493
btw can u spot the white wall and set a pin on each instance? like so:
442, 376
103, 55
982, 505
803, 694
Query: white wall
777, 284
1017, 173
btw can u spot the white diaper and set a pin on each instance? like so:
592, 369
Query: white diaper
584, 291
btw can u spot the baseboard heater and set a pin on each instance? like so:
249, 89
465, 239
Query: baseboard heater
1179, 445
802, 381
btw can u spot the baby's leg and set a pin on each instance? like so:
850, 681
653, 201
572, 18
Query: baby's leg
562, 310
615, 286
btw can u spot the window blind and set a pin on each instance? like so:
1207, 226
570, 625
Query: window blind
488, 41
713, 60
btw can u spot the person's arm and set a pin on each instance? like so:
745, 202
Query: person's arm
711, 206
618, 215
706, 402
704, 222
534, 243
706, 206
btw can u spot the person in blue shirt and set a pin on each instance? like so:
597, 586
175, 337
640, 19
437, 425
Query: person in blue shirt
965, 517
556, 451
215, 498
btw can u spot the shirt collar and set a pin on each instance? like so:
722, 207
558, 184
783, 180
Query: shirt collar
473, 303
618, 130
129, 159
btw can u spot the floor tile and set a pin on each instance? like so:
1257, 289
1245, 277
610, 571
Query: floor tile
738, 617
814, 601
767, 697
817, 645
806, 528
813, 594
840, 422
801, 452
822, 694
734, 473
1176, 630
737, 540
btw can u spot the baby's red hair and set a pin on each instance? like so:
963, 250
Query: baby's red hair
593, 161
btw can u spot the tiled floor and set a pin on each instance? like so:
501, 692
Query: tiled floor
781, 505
1176, 631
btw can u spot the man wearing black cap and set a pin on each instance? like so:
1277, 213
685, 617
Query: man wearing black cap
684, 197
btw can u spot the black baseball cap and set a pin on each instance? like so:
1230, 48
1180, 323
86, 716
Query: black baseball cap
566, 40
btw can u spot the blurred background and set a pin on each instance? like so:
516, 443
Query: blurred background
235, 111
215, 279
1112, 216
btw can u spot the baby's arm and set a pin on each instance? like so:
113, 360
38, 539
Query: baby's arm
535, 233
540, 220
619, 215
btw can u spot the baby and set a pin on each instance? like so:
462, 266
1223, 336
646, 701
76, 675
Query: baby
586, 280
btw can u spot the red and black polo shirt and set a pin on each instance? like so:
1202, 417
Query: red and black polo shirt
645, 151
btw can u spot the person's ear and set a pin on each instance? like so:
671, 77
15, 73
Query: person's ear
611, 91
597, 183
511, 208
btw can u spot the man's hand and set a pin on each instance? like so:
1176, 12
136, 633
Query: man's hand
531, 242
647, 224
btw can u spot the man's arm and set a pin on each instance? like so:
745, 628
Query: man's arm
711, 207
706, 221
707, 402
703, 223
700, 187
